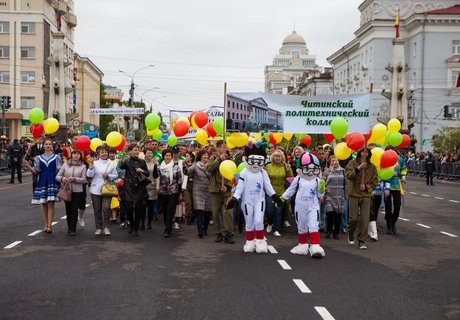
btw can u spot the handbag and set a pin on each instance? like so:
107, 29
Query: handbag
108, 188
65, 193
180, 210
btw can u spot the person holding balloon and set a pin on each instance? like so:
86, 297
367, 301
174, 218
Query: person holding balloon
46, 166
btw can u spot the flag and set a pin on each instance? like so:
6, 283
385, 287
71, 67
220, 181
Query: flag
397, 25
458, 80
58, 19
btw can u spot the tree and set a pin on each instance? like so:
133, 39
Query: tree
106, 123
446, 139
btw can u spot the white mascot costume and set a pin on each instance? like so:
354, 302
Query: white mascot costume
308, 188
252, 186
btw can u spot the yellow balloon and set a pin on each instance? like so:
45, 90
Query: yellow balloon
51, 125
394, 125
341, 151
229, 143
239, 139
95, 142
258, 135
380, 141
193, 123
378, 131
151, 132
288, 136
201, 136
185, 119
227, 169
376, 156
113, 139
278, 137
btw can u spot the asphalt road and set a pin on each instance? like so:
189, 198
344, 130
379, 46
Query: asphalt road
413, 275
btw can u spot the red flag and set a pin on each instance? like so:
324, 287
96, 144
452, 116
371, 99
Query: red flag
397, 25
458, 81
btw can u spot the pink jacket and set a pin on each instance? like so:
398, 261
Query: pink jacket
78, 172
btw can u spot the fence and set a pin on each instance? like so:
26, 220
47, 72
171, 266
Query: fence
446, 171
4, 160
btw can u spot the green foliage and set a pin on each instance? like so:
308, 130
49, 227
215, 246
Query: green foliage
106, 122
446, 139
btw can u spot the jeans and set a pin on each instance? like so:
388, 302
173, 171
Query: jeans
169, 203
101, 206
71, 211
392, 206
322, 218
202, 220
273, 213
344, 223
152, 209
139, 210
16, 166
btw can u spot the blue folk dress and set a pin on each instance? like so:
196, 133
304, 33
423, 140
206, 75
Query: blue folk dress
47, 188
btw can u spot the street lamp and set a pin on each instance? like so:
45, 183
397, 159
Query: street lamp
151, 102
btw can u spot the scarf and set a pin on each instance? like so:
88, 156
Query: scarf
167, 170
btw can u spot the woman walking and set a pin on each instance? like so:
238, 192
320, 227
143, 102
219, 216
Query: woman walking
46, 166
200, 193
101, 171
73, 173
152, 188
170, 187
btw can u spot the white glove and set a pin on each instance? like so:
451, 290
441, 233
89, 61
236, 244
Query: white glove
403, 179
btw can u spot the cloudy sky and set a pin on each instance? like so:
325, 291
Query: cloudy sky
196, 46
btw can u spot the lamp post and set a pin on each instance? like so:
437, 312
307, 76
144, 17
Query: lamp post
131, 91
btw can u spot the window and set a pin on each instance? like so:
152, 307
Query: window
307, 63
27, 27
414, 54
27, 52
455, 75
27, 102
27, 77
296, 54
4, 77
456, 46
4, 27
4, 52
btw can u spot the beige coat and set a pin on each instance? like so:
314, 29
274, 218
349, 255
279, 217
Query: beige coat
78, 172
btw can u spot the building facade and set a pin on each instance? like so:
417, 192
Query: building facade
288, 65
430, 31
36, 60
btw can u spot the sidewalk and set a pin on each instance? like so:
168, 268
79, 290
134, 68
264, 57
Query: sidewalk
6, 175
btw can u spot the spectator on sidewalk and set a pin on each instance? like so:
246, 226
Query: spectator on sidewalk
16, 153
430, 165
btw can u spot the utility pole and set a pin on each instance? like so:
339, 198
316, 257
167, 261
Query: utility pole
130, 104
5, 103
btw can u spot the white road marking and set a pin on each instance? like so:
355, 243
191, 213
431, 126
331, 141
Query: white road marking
425, 195
303, 288
404, 219
284, 265
55, 222
272, 249
413, 192
454, 201
422, 225
63, 217
324, 313
449, 234
34, 233
11, 245
439, 198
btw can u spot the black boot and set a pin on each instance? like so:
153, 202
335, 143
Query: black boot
393, 227
389, 227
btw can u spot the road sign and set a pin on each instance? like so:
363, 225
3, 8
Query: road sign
130, 135
122, 111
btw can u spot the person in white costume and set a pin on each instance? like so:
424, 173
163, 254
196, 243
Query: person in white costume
252, 186
307, 188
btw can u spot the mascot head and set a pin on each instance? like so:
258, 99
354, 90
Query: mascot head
309, 166
254, 155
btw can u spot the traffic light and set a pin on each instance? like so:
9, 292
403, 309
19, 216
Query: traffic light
5, 102
446, 112
8, 102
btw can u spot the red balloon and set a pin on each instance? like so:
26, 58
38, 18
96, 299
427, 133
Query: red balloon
329, 137
346, 137
389, 159
122, 144
36, 130
180, 128
210, 130
356, 141
83, 143
191, 116
272, 138
405, 143
201, 119
306, 140
368, 135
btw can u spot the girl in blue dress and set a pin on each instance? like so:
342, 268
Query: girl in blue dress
46, 166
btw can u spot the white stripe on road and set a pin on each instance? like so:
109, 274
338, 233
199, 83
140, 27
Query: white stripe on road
34, 233
413, 192
284, 265
324, 313
303, 288
439, 198
11, 245
422, 225
404, 219
425, 195
63, 217
272, 249
55, 222
454, 201
449, 234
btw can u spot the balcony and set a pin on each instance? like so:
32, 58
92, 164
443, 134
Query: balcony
71, 20
60, 5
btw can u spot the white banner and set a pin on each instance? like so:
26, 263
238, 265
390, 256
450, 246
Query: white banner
117, 111
212, 112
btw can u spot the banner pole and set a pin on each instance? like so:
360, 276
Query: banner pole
225, 110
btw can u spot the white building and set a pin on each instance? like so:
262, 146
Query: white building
431, 34
288, 65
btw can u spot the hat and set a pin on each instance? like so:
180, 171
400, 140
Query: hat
307, 158
3, 137
175, 149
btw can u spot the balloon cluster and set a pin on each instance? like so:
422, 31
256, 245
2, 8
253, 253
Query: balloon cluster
37, 128
389, 135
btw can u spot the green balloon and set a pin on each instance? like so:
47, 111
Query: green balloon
218, 125
387, 173
36, 115
152, 121
172, 140
299, 136
157, 135
241, 166
266, 136
395, 139
339, 127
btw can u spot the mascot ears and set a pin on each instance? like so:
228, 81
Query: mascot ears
254, 149
307, 158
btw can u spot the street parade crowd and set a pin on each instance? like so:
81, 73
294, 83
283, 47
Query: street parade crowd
189, 184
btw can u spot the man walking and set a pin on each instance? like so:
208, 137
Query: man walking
16, 152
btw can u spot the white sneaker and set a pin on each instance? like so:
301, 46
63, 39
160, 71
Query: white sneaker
286, 223
176, 226
316, 251
98, 232
107, 231
211, 222
301, 249
81, 222
250, 246
269, 228
261, 246
277, 234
